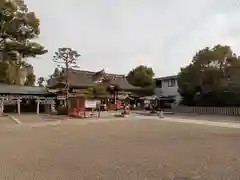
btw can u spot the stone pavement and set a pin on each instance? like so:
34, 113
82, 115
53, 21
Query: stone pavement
219, 121
210, 120
6, 121
121, 149
222, 118
203, 122
44, 119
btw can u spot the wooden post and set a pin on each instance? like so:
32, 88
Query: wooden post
19, 106
53, 110
84, 108
115, 97
161, 114
69, 106
38, 102
2, 106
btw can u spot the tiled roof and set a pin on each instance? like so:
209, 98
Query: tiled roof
26, 90
87, 78
167, 77
80, 78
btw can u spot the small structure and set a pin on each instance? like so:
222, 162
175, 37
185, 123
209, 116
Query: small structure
18, 98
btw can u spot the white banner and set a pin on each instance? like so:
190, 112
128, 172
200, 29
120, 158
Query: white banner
61, 97
91, 103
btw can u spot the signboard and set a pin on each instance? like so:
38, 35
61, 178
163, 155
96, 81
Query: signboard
47, 101
91, 103
146, 101
122, 97
61, 97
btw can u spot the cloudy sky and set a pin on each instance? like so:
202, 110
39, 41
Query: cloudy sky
120, 34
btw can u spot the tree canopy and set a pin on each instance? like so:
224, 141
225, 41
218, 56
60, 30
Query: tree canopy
67, 57
141, 76
212, 78
40, 81
18, 29
56, 73
30, 76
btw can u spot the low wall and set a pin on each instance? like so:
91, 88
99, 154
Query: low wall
231, 111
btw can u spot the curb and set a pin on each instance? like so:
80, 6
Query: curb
15, 119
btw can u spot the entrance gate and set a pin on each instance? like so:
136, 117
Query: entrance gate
48, 102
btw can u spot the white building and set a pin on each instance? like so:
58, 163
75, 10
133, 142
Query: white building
167, 87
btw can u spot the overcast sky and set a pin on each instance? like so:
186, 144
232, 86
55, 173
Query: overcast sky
120, 34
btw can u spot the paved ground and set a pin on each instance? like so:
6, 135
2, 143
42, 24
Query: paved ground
218, 118
189, 116
119, 149
6, 121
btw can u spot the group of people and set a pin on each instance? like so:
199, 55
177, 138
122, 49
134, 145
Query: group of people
126, 107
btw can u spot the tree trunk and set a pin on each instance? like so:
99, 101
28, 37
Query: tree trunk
67, 86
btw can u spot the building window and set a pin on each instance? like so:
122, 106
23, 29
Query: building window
159, 83
171, 83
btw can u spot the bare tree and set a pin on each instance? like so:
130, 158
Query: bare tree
68, 58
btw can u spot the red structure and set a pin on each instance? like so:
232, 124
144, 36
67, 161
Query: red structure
77, 107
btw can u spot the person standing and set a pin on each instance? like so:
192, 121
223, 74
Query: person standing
98, 107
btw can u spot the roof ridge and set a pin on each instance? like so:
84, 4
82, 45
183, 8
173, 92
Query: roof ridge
19, 85
93, 72
166, 77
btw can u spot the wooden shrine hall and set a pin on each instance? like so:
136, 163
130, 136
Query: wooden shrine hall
81, 81
18, 98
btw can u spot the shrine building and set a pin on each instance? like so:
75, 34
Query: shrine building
116, 86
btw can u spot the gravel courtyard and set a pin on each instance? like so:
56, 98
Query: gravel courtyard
122, 149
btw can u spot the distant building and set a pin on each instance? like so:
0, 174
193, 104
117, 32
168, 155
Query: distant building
167, 87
